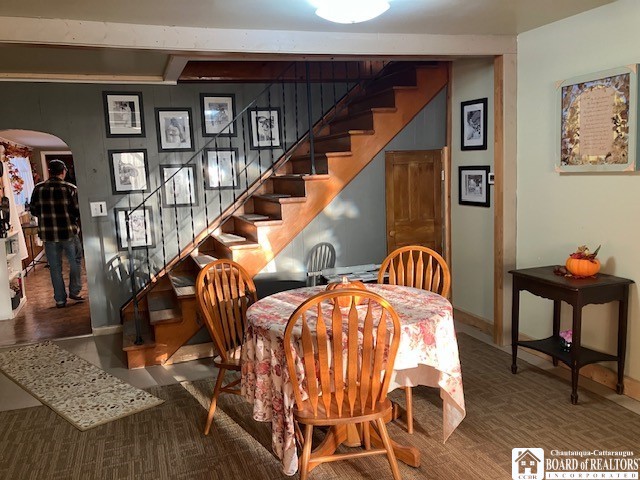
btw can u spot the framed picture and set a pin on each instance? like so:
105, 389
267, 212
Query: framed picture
264, 124
221, 167
217, 112
141, 230
129, 171
474, 186
598, 118
123, 114
175, 129
180, 189
473, 124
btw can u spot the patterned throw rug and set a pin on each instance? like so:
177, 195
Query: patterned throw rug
75, 389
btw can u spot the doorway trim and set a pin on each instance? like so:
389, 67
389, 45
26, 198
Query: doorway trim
43, 160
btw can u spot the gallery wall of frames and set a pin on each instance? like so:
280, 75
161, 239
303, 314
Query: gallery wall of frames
124, 118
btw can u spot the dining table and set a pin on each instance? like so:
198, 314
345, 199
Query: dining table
427, 355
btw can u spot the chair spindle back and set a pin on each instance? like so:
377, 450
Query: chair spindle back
224, 292
418, 267
353, 367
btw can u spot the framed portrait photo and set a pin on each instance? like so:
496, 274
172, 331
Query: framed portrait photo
123, 114
180, 187
473, 125
129, 171
221, 168
264, 124
473, 186
141, 228
175, 129
217, 111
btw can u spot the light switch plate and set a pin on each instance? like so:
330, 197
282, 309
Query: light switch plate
98, 209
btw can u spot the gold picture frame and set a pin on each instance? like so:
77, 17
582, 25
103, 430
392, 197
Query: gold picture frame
597, 131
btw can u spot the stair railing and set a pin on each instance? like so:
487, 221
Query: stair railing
267, 131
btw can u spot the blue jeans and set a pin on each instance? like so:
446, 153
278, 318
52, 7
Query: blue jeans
73, 250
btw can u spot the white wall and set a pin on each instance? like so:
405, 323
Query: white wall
556, 213
471, 226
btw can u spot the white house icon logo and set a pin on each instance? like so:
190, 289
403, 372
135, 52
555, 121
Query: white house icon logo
527, 463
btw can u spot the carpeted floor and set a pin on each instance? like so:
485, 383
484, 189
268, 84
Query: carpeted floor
504, 411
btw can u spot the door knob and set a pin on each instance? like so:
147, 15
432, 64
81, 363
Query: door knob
392, 233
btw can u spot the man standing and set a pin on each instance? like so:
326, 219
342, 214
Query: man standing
55, 203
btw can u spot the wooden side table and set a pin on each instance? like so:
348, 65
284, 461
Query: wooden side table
541, 281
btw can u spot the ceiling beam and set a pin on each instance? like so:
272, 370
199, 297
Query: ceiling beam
42, 31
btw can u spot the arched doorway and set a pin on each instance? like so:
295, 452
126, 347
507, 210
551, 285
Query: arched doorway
25, 156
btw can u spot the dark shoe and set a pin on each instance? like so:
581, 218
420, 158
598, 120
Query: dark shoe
61, 305
77, 298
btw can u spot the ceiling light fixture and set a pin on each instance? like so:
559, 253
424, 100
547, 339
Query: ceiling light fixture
350, 11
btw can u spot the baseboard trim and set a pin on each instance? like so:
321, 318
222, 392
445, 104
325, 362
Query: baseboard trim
598, 373
107, 330
470, 319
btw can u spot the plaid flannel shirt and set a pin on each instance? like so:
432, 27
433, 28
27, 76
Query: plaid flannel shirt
55, 203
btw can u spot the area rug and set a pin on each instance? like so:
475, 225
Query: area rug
75, 389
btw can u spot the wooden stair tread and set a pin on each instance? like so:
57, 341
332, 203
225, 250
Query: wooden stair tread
333, 136
129, 336
229, 238
247, 244
254, 217
163, 308
170, 315
345, 153
259, 220
184, 284
280, 198
202, 260
307, 177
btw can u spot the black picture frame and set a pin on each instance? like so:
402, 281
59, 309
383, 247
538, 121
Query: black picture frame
146, 216
129, 171
473, 124
221, 167
218, 110
473, 186
123, 114
175, 129
186, 191
264, 127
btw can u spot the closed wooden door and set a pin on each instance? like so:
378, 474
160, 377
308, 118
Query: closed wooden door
413, 184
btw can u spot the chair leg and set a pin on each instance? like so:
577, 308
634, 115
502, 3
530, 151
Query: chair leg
409, 400
391, 456
306, 452
214, 400
366, 436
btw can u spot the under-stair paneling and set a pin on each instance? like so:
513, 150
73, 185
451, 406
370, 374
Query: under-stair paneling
354, 222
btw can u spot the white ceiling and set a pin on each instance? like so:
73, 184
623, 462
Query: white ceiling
453, 17
119, 41
32, 139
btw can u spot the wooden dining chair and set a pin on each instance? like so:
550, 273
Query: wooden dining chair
346, 375
418, 267
224, 291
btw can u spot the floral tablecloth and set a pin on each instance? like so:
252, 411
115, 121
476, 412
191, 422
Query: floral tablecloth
427, 355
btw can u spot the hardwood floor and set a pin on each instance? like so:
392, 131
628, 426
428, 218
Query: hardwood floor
40, 319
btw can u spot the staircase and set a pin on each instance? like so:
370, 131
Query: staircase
274, 212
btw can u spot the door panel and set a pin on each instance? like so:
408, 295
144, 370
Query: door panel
414, 199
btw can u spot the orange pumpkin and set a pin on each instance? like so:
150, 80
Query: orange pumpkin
580, 267
346, 301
